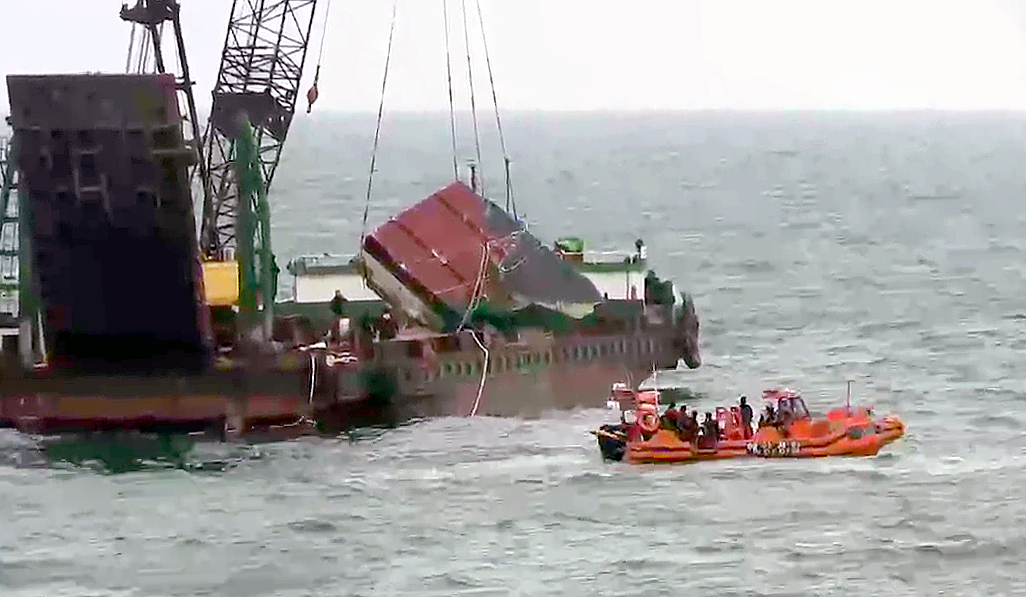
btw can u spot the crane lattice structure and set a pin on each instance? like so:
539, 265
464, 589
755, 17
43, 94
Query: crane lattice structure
261, 67
150, 16
9, 230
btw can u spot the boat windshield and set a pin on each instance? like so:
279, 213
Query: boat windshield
794, 406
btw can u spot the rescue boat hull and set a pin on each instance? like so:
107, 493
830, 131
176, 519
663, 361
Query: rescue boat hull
815, 438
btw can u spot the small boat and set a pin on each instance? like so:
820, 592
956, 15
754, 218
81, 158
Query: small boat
793, 432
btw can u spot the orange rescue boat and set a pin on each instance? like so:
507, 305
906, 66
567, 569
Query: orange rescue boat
793, 432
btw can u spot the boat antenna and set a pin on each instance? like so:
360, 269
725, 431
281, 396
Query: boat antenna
847, 400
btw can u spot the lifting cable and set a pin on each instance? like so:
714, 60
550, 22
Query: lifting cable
452, 109
131, 45
510, 201
144, 47
311, 95
473, 107
144, 54
377, 129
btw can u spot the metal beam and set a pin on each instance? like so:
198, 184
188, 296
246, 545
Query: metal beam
9, 270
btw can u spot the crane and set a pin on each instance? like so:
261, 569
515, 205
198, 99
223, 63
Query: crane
150, 16
261, 67
254, 101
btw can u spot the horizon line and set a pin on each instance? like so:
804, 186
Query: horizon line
489, 116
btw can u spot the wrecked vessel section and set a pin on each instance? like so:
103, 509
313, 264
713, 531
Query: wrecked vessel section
429, 258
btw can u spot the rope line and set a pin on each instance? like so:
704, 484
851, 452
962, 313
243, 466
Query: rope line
473, 105
320, 56
324, 34
475, 295
377, 129
484, 373
144, 50
510, 201
452, 108
131, 46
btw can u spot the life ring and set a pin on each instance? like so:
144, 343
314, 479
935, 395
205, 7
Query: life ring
648, 422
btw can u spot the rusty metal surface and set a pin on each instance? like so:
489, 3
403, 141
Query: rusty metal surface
439, 244
104, 167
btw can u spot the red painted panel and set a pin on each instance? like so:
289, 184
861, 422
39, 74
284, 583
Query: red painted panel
439, 241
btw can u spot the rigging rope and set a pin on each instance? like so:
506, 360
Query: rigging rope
144, 56
131, 45
452, 108
510, 201
484, 373
377, 132
144, 48
473, 106
475, 295
324, 32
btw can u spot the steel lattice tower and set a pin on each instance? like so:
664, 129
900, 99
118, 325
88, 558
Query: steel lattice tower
261, 66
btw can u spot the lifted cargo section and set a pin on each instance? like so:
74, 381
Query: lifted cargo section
103, 165
455, 246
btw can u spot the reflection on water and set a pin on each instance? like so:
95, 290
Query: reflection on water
116, 453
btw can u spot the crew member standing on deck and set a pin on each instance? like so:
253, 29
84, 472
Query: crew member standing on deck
746, 417
669, 418
338, 308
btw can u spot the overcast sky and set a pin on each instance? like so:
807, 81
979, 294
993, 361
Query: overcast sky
591, 54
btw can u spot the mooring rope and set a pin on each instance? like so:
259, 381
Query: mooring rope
484, 374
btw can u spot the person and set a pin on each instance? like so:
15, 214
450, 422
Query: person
683, 420
338, 309
388, 327
690, 427
338, 303
711, 426
767, 419
746, 417
669, 418
784, 414
710, 432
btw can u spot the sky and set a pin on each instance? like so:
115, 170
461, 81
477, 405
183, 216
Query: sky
595, 54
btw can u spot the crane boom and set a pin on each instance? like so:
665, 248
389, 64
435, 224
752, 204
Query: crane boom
261, 67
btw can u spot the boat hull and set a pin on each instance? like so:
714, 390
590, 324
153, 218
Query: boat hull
852, 437
524, 379
521, 381
232, 398
528, 394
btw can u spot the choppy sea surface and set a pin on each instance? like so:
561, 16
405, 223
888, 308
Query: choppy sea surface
882, 248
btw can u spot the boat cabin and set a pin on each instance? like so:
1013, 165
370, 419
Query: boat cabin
788, 404
625, 401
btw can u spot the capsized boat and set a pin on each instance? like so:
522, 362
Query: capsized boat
644, 436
